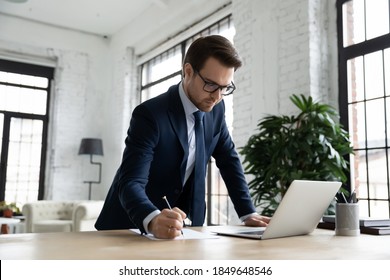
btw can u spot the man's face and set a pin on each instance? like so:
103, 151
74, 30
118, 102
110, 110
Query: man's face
213, 72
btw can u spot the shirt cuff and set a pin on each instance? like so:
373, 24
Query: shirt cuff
243, 218
149, 218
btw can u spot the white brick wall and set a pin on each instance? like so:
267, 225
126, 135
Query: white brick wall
285, 46
68, 122
119, 103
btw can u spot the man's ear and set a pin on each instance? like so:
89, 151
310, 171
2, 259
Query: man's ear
188, 71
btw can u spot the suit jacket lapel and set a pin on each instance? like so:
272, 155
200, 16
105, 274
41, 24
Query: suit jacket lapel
178, 121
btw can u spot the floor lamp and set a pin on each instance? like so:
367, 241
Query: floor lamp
92, 146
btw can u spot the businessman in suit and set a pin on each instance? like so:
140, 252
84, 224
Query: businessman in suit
160, 157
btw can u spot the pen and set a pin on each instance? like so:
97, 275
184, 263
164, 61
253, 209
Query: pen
170, 208
346, 201
340, 198
353, 198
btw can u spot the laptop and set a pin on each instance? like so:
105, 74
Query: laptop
299, 212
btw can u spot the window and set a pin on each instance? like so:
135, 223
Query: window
364, 77
24, 99
164, 70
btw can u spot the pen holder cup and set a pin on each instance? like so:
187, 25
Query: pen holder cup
347, 219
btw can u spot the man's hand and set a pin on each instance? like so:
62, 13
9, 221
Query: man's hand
168, 224
257, 220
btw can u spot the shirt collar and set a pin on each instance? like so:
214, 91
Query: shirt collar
189, 107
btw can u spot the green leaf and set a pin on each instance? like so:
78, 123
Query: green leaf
311, 145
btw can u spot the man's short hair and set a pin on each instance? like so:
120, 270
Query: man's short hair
215, 46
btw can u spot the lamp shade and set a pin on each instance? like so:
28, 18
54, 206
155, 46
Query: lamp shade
91, 146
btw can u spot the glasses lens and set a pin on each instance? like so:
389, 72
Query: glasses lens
210, 87
229, 89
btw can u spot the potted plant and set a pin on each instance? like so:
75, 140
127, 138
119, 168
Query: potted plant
309, 146
8, 209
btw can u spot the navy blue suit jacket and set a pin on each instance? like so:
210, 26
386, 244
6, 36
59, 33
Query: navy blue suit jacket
155, 158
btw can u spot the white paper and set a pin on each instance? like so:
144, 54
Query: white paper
187, 234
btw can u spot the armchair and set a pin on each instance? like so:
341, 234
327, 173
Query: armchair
85, 215
61, 216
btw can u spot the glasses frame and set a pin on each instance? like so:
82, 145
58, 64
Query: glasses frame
219, 87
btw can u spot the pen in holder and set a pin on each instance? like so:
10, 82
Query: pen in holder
347, 219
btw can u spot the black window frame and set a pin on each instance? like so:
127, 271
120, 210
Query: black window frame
346, 53
33, 70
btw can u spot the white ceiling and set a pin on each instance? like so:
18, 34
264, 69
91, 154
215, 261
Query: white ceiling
100, 17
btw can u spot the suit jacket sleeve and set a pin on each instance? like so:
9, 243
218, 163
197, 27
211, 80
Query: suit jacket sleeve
134, 170
230, 167
155, 156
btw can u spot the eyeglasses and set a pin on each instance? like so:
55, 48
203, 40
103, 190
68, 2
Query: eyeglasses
213, 87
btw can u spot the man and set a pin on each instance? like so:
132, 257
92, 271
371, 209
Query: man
160, 158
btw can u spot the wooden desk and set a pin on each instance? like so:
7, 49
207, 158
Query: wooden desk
124, 244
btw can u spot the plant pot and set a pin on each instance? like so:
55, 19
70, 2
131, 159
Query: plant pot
7, 213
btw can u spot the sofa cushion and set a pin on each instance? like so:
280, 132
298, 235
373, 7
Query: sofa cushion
53, 210
53, 226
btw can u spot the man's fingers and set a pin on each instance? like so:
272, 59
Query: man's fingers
172, 218
181, 212
168, 224
175, 213
167, 232
257, 221
162, 226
